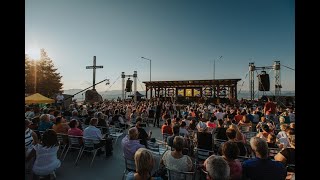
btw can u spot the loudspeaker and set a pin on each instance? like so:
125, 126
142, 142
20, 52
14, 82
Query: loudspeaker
129, 85
264, 82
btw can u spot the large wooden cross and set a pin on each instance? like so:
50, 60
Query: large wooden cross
94, 67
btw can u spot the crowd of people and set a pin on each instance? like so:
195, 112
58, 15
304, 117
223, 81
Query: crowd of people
221, 129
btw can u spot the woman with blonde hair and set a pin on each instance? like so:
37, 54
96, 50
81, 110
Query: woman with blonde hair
144, 162
287, 155
239, 136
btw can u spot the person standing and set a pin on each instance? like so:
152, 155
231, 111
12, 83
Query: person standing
269, 109
59, 100
158, 115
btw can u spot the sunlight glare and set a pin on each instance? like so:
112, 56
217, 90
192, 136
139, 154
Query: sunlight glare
33, 53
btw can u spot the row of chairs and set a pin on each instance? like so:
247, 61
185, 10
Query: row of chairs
77, 143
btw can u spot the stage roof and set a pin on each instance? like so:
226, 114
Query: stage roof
190, 83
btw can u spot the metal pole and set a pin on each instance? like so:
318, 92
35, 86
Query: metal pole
123, 81
94, 72
85, 89
150, 73
214, 69
135, 75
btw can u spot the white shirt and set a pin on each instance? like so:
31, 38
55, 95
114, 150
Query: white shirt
292, 117
60, 97
46, 160
219, 115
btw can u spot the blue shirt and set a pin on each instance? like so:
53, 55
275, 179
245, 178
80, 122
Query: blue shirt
261, 169
43, 126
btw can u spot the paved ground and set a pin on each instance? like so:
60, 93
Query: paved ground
102, 168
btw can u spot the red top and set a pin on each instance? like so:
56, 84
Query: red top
75, 132
270, 108
166, 129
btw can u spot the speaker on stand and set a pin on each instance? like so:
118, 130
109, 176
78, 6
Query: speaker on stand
129, 85
264, 81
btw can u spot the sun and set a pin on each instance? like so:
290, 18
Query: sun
33, 53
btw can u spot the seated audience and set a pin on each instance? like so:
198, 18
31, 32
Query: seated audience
231, 134
61, 126
203, 137
183, 130
220, 132
272, 141
45, 152
239, 135
144, 162
166, 127
130, 143
217, 168
262, 167
92, 132
287, 155
143, 135
230, 153
176, 130
45, 122
74, 130
175, 160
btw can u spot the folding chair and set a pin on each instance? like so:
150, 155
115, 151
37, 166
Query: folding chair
130, 166
63, 142
249, 135
88, 146
200, 156
155, 148
218, 143
75, 142
165, 137
179, 175
273, 152
245, 129
115, 133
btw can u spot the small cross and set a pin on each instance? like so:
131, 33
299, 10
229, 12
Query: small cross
94, 67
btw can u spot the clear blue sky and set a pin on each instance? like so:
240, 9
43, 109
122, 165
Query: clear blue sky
182, 38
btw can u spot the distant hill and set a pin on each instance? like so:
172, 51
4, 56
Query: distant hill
114, 94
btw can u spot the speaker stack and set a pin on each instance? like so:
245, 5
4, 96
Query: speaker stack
264, 81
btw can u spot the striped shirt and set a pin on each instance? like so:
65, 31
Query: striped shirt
28, 138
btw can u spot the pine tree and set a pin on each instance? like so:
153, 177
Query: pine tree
46, 80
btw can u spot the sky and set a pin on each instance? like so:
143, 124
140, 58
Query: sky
183, 39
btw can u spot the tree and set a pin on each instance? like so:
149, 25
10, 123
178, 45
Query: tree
41, 76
